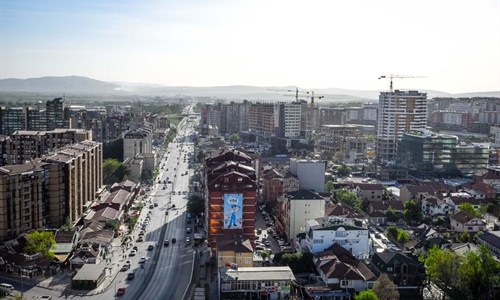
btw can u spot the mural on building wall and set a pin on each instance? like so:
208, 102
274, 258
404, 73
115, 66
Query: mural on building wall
233, 211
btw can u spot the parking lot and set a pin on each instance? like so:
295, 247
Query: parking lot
264, 237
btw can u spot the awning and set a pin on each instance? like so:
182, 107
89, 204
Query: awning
61, 257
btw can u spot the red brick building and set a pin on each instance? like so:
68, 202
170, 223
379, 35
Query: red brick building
230, 191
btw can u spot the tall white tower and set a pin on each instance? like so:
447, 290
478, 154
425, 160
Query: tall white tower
399, 112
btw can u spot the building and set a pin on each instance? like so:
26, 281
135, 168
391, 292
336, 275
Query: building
256, 283
12, 119
343, 138
399, 112
24, 201
370, 191
272, 186
295, 209
423, 152
261, 120
311, 173
230, 191
23, 146
351, 234
57, 114
465, 222
288, 119
490, 239
137, 143
434, 207
89, 277
470, 158
233, 251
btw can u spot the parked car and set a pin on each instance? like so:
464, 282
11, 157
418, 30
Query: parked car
132, 253
174, 240
142, 260
130, 275
150, 247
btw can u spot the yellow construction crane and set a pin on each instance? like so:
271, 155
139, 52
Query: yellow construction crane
392, 76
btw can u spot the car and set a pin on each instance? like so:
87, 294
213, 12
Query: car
166, 243
120, 291
164, 187
142, 260
130, 275
156, 204
125, 267
259, 248
267, 243
188, 240
44, 298
128, 262
151, 206
135, 248
132, 253
141, 233
178, 193
174, 240
188, 230
140, 239
150, 247
377, 235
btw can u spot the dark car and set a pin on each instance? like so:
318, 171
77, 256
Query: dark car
150, 247
130, 275
174, 240
120, 291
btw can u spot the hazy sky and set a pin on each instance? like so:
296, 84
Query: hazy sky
311, 44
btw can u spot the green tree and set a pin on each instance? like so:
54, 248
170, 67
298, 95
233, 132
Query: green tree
480, 273
196, 205
338, 157
366, 295
468, 208
112, 225
114, 171
298, 262
343, 170
234, 138
442, 269
329, 186
463, 237
40, 242
391, 214
348, 198
385, 289
403, 236
412, 212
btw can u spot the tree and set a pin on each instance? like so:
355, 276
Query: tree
468, 208
40, 242
391, 214
348, 198
298, 262
412, 213
480, 273
385, 289
196, 205
234, 138
442, 269
403, 236
329, 186
343, 170
112, 225
114, 171
338, 157
366, 295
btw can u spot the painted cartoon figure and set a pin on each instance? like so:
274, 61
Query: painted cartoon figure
232, 220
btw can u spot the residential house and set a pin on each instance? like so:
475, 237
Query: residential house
66, 241
433, 207
417, 192
349, 233
339, 210
488, 190
490, 239
383, 206
338, 269
405, 271
87, 253
465, 222
378, 218
233, 250
370, 192
489, 177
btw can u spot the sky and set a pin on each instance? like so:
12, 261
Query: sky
453, 44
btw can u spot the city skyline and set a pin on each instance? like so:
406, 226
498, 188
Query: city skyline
218, 43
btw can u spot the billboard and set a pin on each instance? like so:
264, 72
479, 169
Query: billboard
233, 211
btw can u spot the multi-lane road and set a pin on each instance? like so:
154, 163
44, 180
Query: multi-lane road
167, 271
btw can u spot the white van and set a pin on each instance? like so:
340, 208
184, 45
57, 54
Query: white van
7, 287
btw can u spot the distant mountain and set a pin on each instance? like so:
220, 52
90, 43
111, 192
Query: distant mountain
84, 85
51, 84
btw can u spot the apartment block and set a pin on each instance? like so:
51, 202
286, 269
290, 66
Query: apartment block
24, 201
399, 112
23, 146
261, 120
137, 143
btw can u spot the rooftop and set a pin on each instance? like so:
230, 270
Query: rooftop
259, 274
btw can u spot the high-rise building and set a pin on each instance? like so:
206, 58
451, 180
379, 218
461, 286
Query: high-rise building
261, 119
288, 119
12, 119
399, 112
57, 114
230, 191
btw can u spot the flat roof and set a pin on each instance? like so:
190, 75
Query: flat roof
90, 272
259, 274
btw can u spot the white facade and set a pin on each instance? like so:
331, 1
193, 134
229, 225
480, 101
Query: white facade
301, 210
495, 132
311, 174
399, 112
436, 207
323, 232
139, 142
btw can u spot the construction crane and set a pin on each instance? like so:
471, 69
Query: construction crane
307, 95
392, 76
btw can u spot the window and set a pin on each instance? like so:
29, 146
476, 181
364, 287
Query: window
344, 283
318, 241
